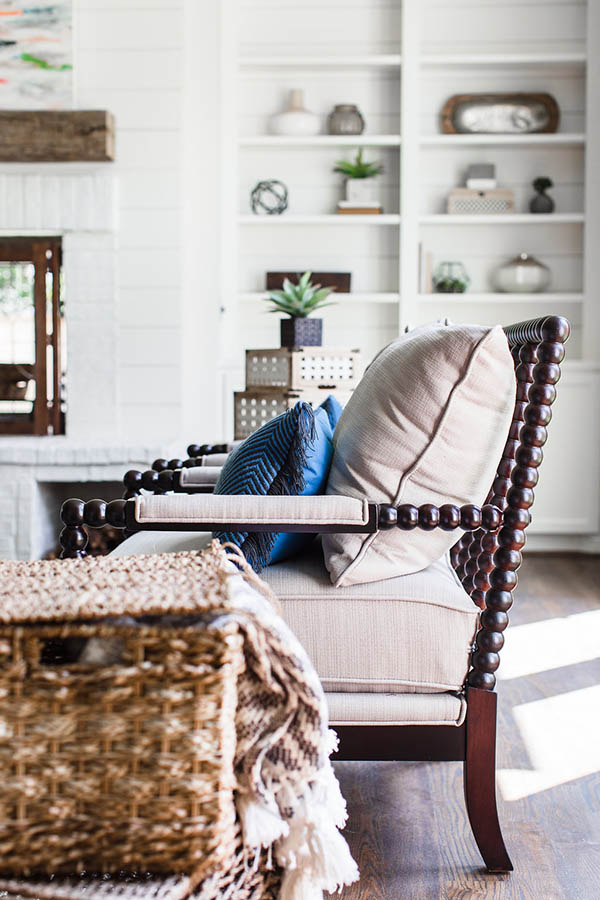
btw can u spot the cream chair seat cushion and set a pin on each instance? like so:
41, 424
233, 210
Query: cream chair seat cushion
366, 708
412, 633
389, 652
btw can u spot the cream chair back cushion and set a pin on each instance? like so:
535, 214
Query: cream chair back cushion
426, 424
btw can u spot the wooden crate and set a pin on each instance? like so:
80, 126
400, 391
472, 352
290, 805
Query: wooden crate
302, 368
254, 408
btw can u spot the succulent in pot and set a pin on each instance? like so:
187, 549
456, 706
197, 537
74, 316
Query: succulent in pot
359, 172
299, 301
451, 278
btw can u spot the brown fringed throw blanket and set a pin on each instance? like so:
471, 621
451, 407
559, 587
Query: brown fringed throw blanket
289, 806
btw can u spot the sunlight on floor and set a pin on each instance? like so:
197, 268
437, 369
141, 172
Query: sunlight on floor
550, 644
561, 735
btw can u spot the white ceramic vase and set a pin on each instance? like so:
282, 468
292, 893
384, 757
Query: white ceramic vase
522, 275
360, 190
295, 120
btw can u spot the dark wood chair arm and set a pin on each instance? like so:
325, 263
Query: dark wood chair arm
122, 514
551, 329
195, 452
162, 482
135, 480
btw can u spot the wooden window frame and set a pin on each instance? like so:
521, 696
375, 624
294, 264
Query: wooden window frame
45, 254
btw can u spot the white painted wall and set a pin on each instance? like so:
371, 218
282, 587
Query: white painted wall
129, 60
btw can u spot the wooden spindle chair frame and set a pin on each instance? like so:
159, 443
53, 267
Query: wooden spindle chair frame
486, 559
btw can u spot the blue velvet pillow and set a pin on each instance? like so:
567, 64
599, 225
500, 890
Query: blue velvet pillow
333, 408
291, 454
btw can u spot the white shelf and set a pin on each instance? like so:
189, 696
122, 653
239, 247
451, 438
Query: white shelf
337, 295
502, 59
504, 219
542, 298
322, 140
334, 219
459, 140
380, 61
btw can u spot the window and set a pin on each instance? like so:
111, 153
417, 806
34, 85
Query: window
32, 336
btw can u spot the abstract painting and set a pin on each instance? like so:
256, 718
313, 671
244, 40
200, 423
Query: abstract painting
36, 54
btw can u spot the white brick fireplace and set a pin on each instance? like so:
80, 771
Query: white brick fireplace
77, 202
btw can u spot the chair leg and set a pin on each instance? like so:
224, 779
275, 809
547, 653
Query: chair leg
480, 779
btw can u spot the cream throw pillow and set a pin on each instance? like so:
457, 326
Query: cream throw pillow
427, 424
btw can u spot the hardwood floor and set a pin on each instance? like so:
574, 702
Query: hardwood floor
407, 824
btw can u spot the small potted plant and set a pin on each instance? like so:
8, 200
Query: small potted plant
299, 301
541, 203
359, 175
451, 278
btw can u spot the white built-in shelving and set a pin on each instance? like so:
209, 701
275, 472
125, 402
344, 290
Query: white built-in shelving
399, 60
503, 219
533, 59
547, 298
321, 140
342, 297
322, 219
501, 140
331, 61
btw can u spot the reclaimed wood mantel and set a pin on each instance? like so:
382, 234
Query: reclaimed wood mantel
56, 136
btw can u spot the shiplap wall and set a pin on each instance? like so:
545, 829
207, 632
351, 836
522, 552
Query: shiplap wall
277, 27
128, 59
496, 26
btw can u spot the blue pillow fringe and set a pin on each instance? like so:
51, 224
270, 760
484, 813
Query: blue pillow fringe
290, 478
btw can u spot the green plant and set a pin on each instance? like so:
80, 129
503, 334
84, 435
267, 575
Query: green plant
450, 278
359, 168
300, 299
542, 183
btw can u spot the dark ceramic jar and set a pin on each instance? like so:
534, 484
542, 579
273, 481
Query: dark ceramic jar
345, 119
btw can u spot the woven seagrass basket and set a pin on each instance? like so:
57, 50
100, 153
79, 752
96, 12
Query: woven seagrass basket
127, 765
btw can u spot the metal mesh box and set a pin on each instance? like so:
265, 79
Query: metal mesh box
465, 201
253, 408
299, 369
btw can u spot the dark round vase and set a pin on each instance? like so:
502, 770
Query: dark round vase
541, 203
346, 118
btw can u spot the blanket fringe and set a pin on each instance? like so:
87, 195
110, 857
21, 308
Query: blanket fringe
309, 847
314, 855
262, 823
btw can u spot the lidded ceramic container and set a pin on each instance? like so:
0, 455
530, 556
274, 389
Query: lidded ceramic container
295, 120
522, 275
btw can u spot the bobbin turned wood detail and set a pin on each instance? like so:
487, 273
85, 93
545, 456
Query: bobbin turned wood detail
95, 513
135, 481
487, 563
486, 559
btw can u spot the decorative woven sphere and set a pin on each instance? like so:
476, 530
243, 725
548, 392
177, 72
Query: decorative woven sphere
269, 198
